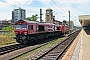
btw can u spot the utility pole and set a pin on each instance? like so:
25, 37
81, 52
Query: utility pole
40, 15
69, 18
69, 21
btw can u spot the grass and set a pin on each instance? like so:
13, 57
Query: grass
34, 51
6, 39
11, 34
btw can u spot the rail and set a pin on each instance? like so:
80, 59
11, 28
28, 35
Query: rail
57, 52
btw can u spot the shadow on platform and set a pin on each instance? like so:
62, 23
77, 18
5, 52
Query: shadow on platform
87, 31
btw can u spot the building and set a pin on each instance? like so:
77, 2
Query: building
84, 20
4, 23
9, 21
49, 15
50, 18
71, 24
18, 14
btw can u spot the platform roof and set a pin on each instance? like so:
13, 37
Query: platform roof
84, 20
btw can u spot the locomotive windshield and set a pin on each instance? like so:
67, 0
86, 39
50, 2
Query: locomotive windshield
18, 26
24, 26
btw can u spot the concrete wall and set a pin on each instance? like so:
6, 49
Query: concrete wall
84, 20
84, 17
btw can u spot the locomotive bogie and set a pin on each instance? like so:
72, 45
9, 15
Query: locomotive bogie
21, 39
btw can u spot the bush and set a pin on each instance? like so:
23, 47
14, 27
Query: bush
8, 28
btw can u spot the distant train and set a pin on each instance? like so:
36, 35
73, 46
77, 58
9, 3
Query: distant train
29, 31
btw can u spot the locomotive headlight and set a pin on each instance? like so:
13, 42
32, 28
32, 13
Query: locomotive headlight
25, 33
16, 32
20, 23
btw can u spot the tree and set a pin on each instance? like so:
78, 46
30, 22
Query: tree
28, 18
33, 18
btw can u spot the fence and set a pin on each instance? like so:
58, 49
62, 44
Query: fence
4, 32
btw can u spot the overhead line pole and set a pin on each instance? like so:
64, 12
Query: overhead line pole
40, 15
69, 20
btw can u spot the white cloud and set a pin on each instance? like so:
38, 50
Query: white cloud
65, 1
3, 5
14, 3
82, 7
73, 1
18, 1
45, 1
5, 15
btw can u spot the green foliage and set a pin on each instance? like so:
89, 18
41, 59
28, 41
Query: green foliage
11, 29
33, 18
8, 28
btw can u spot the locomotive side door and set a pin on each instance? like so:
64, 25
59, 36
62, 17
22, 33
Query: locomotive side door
31, 28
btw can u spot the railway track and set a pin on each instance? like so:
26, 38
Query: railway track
56, 52
13, 51
10, 48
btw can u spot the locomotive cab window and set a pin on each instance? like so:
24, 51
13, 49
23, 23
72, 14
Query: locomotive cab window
30, 27
24, 26
18, 26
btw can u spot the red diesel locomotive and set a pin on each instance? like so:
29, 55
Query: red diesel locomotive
29, 31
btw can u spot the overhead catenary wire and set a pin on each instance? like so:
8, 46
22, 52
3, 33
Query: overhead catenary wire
9, 4
59, 6
13, 5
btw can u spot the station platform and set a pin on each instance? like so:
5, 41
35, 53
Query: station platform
80, 48
84, 20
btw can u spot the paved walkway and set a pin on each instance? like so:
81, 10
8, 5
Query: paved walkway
85, 45
76, 52
81, 49
69, 54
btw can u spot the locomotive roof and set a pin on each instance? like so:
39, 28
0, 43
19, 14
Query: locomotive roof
47, 23
31, 21
37, 22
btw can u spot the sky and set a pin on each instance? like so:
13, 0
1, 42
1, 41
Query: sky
60, 8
